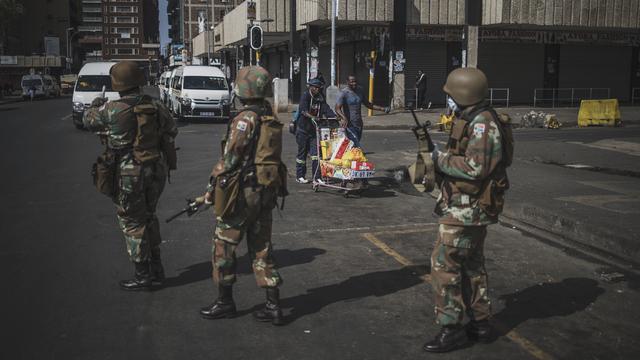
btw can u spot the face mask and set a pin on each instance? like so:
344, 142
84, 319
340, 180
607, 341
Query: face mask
451, 104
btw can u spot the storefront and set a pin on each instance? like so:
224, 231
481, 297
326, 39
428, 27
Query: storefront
515, 66
599, 67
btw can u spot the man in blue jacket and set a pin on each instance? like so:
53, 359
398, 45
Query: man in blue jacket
312, 106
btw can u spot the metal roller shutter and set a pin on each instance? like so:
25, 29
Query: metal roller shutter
584, 66
431, 58
519, 67
346, 53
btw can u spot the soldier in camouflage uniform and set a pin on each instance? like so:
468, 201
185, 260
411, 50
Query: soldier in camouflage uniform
251, 203
137, 184
472, 189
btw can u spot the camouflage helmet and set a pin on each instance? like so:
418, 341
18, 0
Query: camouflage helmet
253, 82
467, 86
126, 75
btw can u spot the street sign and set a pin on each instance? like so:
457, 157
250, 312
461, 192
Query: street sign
255, 37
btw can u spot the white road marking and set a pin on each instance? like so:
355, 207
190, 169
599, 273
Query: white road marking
625, 147
363, 228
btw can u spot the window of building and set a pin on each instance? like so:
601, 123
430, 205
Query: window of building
124, 30
124, 19
125, 41
124, 9
126, 51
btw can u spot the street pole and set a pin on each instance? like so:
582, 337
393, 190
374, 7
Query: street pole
371, 74
68, 42
334, 14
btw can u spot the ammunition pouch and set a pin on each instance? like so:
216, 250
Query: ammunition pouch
226, 193
104, 174
491, 200
422, 173
168, 148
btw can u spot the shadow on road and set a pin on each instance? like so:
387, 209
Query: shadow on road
546, 300
202, 271
380, 283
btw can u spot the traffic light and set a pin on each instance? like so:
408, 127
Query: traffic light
255, 37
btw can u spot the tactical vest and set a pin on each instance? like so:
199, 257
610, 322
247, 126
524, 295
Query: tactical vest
489, 191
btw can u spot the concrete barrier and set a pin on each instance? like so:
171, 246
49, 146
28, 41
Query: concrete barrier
599, 113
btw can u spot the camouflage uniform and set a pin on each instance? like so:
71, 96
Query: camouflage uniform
139, 185
252, 215
458, 274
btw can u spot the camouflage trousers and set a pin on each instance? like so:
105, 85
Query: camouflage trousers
139, 189
253, 218
458, 275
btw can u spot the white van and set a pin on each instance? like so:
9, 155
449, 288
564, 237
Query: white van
91, 78
162, 86
199, 92
42, 85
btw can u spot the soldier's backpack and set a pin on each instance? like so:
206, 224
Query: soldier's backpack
151, 140
267, 148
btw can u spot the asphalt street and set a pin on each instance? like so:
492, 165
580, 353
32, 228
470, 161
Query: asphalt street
355, 270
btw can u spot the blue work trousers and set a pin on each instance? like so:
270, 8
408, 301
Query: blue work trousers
306, 146
354, 134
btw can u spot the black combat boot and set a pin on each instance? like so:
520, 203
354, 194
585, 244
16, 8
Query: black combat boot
156, 269
141, 280
479, 331
222, 307
449, 338
271, 311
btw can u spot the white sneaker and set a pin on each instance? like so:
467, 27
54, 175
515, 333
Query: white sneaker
319, 181
302, 180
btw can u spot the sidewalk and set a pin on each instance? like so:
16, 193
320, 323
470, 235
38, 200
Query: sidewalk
568, 117
400, 120
10, 99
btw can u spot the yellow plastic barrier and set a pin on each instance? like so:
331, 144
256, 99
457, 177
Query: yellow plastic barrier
445, 122
599, 113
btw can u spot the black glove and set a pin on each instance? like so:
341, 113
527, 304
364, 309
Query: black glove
99, 101
293, 127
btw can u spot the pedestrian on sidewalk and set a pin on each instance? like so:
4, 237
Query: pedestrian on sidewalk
245, 192
134, 168
349, 109
311, 107
473, 169
421, 89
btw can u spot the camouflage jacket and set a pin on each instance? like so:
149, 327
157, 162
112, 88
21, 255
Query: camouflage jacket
238, 144
116, 120
473, 154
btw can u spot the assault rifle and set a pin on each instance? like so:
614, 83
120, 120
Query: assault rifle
421, 131
193, 206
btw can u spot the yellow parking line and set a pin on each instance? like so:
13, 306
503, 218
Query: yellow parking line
512, 335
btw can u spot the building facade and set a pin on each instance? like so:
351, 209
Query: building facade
131, 32
89, 33
35, 35
535, 52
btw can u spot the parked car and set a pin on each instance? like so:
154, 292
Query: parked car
67, 83
199, 92
41, 85
92, 78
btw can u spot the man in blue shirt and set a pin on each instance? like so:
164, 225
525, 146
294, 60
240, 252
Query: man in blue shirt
349, 108
312, 106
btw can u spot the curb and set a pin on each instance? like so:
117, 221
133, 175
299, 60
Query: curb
602, 241
4, 102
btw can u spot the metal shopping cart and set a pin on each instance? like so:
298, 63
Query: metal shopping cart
345, 179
